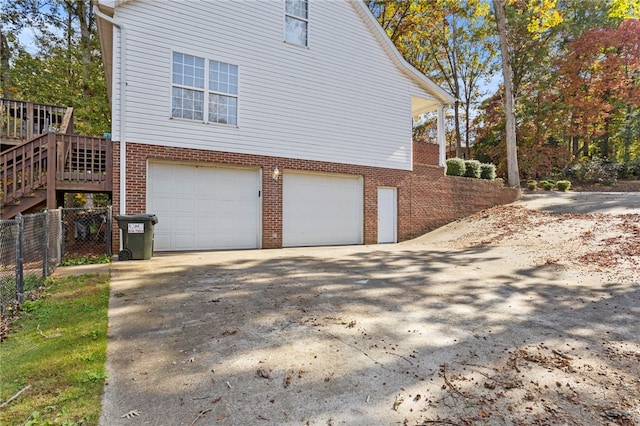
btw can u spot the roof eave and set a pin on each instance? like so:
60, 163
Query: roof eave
435, 90
105, 35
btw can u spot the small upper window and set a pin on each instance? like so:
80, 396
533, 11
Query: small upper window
190, 88
296, 21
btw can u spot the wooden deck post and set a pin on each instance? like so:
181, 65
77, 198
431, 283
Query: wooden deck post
52, 162
108, 149
67, 122
30, 122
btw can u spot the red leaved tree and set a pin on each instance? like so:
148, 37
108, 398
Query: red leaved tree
600, 85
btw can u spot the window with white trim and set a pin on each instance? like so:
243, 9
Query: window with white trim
189, 88
296, 21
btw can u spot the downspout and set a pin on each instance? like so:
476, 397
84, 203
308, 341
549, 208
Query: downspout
123, 86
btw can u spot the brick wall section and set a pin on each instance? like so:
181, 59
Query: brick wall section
438, 199
426, 198
426, 153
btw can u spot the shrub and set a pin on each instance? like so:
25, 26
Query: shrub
547, 185
563, 185
499, 181
597, 170
472, 169
455, 167
632, 169
532, 185
487, 171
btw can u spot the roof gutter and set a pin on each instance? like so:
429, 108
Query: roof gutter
123, 87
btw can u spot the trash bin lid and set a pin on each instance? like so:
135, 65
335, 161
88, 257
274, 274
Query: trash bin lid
138, 217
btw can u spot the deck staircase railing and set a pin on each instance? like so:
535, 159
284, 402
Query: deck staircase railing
33, 172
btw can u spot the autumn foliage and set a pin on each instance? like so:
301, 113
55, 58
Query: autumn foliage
599, 83
584, 101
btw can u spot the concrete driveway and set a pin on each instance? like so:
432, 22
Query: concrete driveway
359, 335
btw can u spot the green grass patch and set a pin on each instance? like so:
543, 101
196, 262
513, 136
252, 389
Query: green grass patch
86, 260
58, 349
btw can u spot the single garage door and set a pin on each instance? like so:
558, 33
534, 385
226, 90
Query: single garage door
203, 207
321, 209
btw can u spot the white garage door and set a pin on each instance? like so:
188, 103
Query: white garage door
203, 208
321, 209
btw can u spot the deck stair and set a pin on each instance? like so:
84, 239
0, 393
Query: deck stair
39, 171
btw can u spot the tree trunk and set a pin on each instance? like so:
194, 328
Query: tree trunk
605, 150
83, 11
513, 175
456, 116
5, 55
467, 127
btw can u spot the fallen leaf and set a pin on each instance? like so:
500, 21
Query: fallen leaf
131, 414
263, 372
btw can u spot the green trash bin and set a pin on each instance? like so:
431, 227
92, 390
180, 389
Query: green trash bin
137, 236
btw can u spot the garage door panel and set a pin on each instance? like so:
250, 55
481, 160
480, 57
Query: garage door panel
322, 209
202, 207
181, 223
183, 205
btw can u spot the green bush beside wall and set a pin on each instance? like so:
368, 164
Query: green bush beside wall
455, 167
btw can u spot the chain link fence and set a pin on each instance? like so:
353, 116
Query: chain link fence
86, 232
32, 246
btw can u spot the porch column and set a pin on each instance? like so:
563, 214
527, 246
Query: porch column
442, 140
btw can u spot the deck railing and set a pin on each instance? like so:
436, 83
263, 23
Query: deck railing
56, 162
22, 121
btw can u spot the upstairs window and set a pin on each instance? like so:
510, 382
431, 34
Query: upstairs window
296, 21
189, 88
223, 93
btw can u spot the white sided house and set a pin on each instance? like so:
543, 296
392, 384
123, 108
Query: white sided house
261, 124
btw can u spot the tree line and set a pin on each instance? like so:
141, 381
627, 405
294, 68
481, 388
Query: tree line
574, 80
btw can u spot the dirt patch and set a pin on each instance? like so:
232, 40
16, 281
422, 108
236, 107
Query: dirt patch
565, 378
607, 243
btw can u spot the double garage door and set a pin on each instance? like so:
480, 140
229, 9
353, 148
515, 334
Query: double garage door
209, 208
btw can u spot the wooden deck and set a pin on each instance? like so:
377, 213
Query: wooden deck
22, 121
37, 172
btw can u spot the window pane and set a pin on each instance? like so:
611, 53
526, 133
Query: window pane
214, 77
295, 31
187, 104
223, 109
188, 70
297, 8
223, 77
